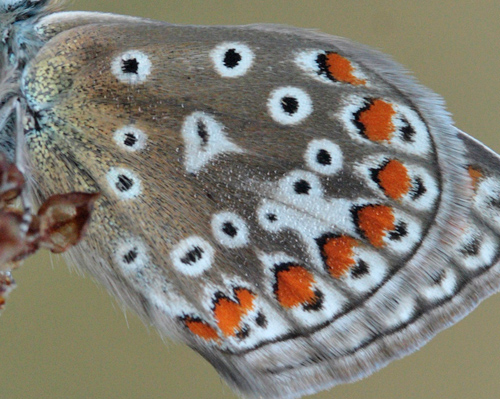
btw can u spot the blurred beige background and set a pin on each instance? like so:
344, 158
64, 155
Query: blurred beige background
64, 337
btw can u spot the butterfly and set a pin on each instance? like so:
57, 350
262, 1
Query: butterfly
230, 296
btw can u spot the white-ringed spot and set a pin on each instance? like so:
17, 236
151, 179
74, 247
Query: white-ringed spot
230, 229
124, 183
289, 105
130, 138
132, 67
232, 59
192, 256
299, 185
131, 254
323, 156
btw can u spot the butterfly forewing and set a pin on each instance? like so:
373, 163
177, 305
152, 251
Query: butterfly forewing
290, 204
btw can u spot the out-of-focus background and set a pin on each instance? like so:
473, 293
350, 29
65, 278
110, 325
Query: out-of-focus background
62, 336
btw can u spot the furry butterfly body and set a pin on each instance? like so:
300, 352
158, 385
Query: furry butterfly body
270, 196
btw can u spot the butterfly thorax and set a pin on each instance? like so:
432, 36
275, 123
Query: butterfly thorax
19, 44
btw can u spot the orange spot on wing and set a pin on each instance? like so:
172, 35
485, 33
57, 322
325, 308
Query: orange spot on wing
338, 253
294, 286
201, 329
229, 313
475, 174
394, 179
375, 221
341, 69
377, 120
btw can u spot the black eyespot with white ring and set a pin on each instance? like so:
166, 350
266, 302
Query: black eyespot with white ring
230, 230
324, 157
125, 183
299, 184
232, 59
192, 256
289, 105
131, 255
132, 67
130, 138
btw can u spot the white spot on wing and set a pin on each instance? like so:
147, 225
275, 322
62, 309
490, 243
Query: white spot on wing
192, 256
441, 289
324, 157
204, 140
475, 249
132, 67
131, 254
289, 105
300, 187
411, 233
401, 311
377, 270
230, 229
394, 304
124, 183
232, 59
130, 138
486, 201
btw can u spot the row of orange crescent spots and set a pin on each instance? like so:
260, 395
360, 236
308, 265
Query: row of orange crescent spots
294, 286
375, 221
394, 179
339, 68
338, 253
229, 313
376, 120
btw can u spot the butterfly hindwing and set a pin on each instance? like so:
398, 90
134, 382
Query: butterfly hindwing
271, 196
